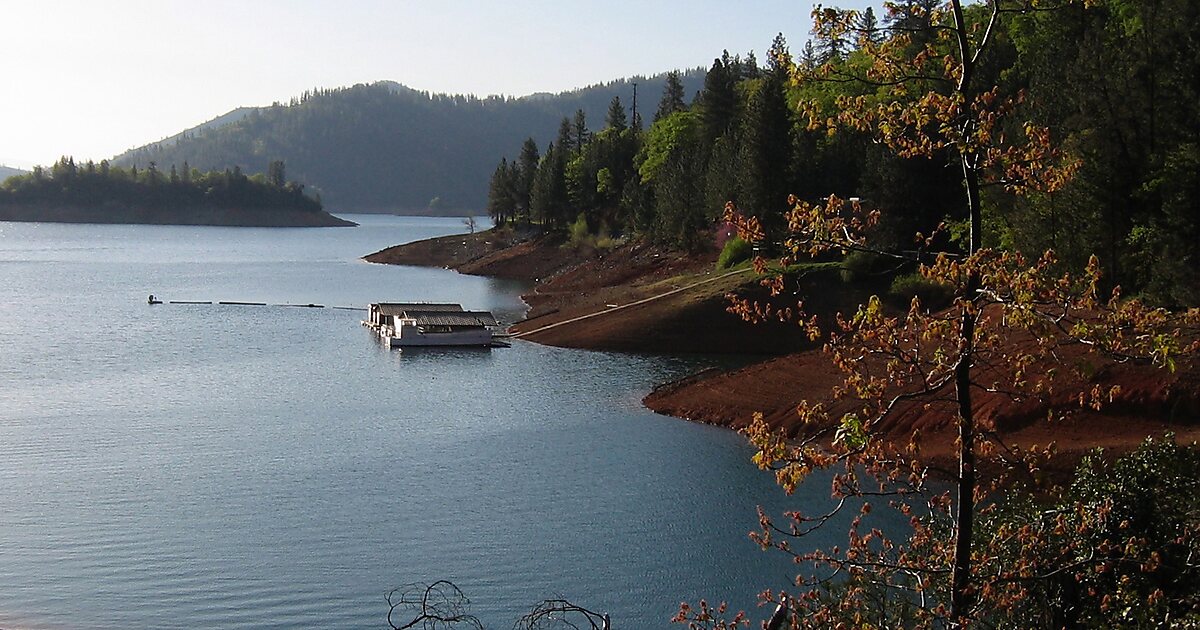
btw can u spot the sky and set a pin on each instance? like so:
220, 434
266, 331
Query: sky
93, 78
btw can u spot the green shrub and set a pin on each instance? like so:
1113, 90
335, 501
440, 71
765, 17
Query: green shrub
1117, 548
858, 265
579, 230
735, 251
580, 238
933, 295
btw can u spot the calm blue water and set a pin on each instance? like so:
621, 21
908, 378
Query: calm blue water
267, 467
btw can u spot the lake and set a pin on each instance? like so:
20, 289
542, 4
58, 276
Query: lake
177, 466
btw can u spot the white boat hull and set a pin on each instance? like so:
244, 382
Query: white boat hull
482, 338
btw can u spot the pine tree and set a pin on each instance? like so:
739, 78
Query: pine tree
867, 26
501, 204
581, 130
549, 196
275, 174
749, 69
766, 151
616, 118
672, 98
565, 140
831, 42
718, 100
808, 58
526, 168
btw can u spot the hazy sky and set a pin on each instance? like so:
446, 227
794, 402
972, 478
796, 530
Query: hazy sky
92, 78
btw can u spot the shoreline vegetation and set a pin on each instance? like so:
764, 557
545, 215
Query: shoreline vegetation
570, 282
101, 193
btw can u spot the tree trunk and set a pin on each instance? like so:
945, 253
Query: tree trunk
965, 517
960, 578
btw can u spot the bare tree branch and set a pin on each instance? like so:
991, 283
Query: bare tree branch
431, 606
561, 612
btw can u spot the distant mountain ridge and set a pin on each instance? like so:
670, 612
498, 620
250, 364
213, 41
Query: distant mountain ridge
385, 147
8, 171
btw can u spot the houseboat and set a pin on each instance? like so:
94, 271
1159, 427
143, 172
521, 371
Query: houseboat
417, 324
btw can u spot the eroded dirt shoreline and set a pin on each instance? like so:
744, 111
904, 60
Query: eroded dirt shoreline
573, 282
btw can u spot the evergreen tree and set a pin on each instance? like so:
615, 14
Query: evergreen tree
275, 174
831, 42
718, 100
766, 149
526, 168
566, 139
616, 118
582, 135
748, 69
549, 196
672, 98
867, 26
808, 58
501, 205
913, 19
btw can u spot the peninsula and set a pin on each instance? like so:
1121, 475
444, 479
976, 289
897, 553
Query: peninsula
69, 193
628, 299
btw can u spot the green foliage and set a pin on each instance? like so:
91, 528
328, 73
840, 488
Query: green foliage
735, 251
667, 137
616, 118
1115, 549
582, 237
933, 295
70, 185
1119, 83
672, 98
861, 265
548, 200
764, 171
385, 146
578, 230
943, 88
1114, 82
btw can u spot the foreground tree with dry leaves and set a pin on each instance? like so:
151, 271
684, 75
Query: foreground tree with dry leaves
1011, 324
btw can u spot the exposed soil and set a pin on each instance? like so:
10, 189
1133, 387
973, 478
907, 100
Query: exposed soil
607, 301
1151, 402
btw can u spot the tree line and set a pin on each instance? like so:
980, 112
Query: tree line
953, 86
383, 146
90, 184
1115, 82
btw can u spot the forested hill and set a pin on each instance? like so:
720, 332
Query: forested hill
102, 193
385, 147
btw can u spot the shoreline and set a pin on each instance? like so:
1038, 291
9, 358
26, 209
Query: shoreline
198, 215
637, 298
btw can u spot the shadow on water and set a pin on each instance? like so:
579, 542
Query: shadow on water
418, 356
260, 467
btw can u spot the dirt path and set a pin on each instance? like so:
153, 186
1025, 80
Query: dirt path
615, 309
674, 304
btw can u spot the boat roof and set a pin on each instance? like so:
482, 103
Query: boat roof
436, 314
445, 318
399, 308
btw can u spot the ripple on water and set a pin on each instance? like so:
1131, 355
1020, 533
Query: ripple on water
256, 467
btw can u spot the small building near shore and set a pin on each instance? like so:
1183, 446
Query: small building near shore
431, 324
